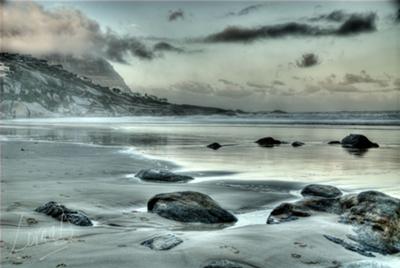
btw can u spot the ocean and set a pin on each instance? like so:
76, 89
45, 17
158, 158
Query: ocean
183, 141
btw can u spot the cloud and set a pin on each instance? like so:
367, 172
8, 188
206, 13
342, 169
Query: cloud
308, 60
350, 83
355, 24
334, 16
358, 23
278, 83
164, 46
363, 77
247, 10
29, 28
176, 14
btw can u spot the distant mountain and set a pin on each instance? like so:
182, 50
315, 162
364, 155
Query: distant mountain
96, 69
32, 87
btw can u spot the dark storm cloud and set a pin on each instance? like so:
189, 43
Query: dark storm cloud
247, 10
355, 24
334, 16
176, 14
164, 46
118, 48
308, 60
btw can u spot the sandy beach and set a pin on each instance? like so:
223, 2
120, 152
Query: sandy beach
97, 179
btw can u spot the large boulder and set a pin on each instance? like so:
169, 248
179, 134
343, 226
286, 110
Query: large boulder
378, 218
156, 175
321, 190
268, 142
357, 141
375, 216
189, 207
64, 214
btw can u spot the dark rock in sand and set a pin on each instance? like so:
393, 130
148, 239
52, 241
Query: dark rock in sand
163, 242
334, 142
156, 175
350, 246
189, 207
225, 263
377, 216
322, 204
320, 190
287, 212
268, 142
214, 146
297, 144
357, 141
64, 214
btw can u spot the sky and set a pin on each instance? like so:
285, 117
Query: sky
253, 56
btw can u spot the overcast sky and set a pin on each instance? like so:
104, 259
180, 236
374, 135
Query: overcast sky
295, 56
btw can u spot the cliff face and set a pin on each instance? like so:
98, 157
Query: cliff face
31, 87
98, 70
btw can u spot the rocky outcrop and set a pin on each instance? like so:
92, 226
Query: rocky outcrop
375, 216
64, 214
357, 141
214, 146
189, 207
297, 143
155, 175
268, 142
162, 242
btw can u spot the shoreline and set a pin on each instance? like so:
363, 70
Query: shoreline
116, 205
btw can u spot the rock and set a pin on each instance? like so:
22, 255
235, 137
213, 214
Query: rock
297, 144
189, 207
377, 216
374, 215
350, 246
320, 190
64, 214
214, 146
225, 263
163, 242
156, 175
287, 212
357, 141
268, 142
334, 142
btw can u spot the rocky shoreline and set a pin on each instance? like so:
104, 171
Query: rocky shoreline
326, 228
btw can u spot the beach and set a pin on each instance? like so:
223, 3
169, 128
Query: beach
91, 166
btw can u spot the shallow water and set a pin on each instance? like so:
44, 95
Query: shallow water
185, 144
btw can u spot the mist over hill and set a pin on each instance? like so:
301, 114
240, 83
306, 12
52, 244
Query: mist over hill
33, 87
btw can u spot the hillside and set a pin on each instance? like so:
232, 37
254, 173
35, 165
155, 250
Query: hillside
90, 67
32, 87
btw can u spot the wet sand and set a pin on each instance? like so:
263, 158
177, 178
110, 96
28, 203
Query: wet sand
98, 180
